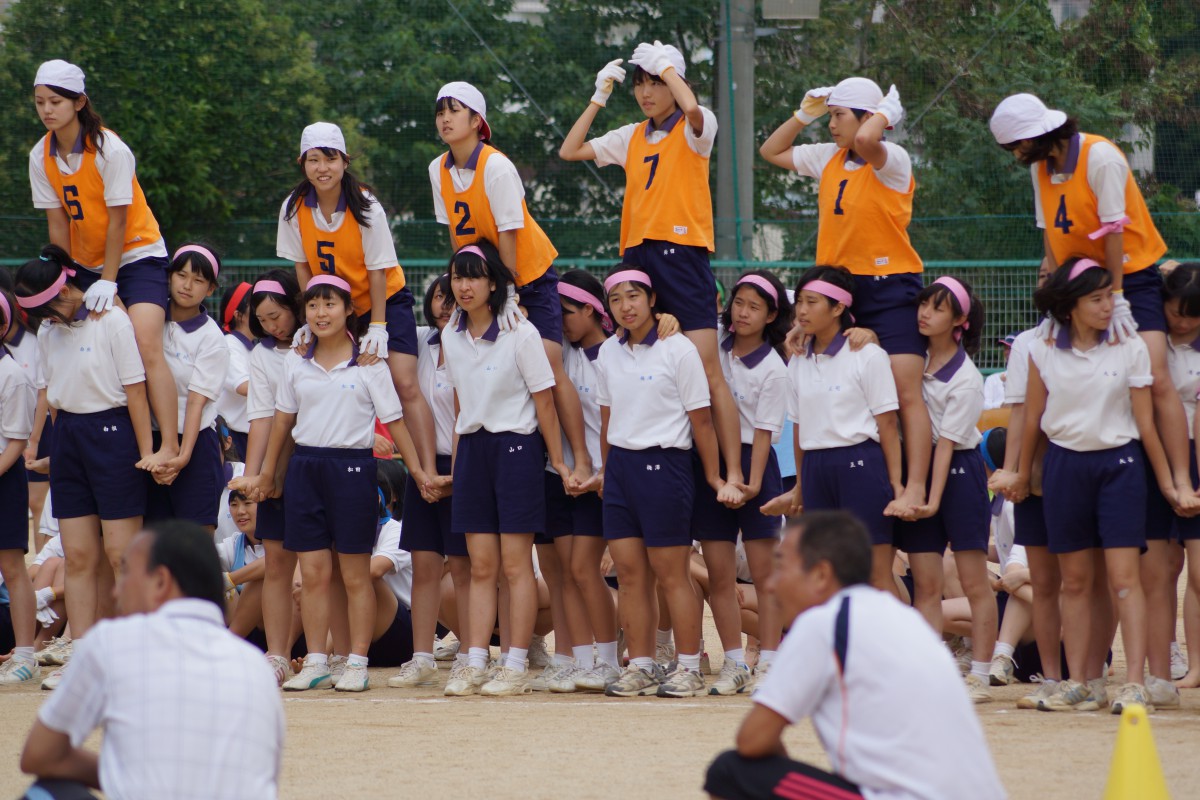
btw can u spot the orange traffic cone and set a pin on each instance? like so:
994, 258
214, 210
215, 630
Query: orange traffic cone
1136, 773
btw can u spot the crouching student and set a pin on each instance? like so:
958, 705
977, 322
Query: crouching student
243, 567
392, 580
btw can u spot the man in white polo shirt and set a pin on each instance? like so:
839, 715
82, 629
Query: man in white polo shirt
188, 709
885, 698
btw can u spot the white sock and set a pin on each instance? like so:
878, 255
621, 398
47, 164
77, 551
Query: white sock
737, 656
317, 659
980, 669
561, 660
356, 660
425, 659
516, 658
644, 663
691, 662
765, 658
1003, 649
967, 643
584, 657
477, 657
24, 654
663, 637
461, 658
607, 652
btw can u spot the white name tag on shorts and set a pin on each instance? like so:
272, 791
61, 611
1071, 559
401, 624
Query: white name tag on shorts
881, 261
681, 230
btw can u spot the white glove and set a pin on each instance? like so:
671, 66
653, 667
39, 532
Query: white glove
230, 586
375, 341
651, 57
611, 72
1122, 326
814, 105
46, 617
45, 596
99, 296
511, 316
303, 336
1047, 329
890, 107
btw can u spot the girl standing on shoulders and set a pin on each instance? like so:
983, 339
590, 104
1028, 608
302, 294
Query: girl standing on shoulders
82, 174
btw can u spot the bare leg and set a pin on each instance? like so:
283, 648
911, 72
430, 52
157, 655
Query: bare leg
22, 603
1160, 599
1045, 578
972, 572
585, 569
316, 568
927, 588
516, 561
148, 322
426, 594
760, 555
278, 603
417, 414
636, 601
670, 565
1077, 576
84, 554
721, 560
1125, 578
724, 411
914, 424
355, 569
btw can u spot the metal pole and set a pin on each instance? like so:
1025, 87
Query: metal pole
736, 139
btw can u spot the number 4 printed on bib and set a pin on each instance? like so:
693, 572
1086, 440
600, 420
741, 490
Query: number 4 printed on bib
1061, 220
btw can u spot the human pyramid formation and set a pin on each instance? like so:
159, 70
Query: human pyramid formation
585, 425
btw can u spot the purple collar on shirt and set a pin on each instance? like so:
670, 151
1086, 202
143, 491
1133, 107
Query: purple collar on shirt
1063, 342
76, 148
948, 369
435, 338
592, 352
751, 359
668, 124
649, 341
80, 314
490, 335
4, 351
1195, 345
839, 341
1070, 162
472, 160
310, 200
18, 335
246, 343
228, 470
353, 362
195, 323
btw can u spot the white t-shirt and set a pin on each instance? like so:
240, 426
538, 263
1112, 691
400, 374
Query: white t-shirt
1184, 362
835, 396
87, 365
810, 161
227, 552
580, 365
436, 387
51, 549
188, 709
266, 368
231, 405
1107, 171
954, 397
336, 407
198, 358
613, 147
760, 387
387, 545
921, 742
501, 183
379, 251
993, 391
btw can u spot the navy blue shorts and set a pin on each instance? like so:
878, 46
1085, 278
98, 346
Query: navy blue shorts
1143, 290
1185, 529
14, 510
270, 523
648, 495
683, 281
195, 494
240, 440
427, 525
401, 323
712, 521
141, 281
498, 484
539, 298
853, 479
570, 516
92, 466
395, 646
332, 500
887, 304
1029, 522
1095, 499
43, 450
964, 518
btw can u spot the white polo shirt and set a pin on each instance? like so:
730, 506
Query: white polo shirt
227, 552
226, 527
836, 395
1184, 361
198, 357
580, 365
48, 524
759, 384
993, 391
24, 349
231, 405
1004, 533
188, 709
436, 387
1088, 405
1018, 368
1106, 174
379, 251
954, 397
613, 147
87, 365
116, 165
649, 388
336, 407
920, 743
266, 369
387, 545
51, 549
501, 183
18, 402
810, 161
495, 376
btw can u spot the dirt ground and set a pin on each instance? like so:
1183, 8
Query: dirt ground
416, 743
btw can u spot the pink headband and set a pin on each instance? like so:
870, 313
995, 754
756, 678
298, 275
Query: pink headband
41, 298
960, 294
830, 291
332, 280
1081, 266
587, 298
274, 287
7, 315
472, 249
762, 283
626, 275
204, 251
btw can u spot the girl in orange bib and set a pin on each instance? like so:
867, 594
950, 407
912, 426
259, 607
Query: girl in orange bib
83, 176
331, 224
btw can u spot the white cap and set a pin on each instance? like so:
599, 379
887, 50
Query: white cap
472, 98
322, 134
860, 93
62, 74
1023, 116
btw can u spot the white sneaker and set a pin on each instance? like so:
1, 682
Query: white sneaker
53, 653
447, 648
977, 689
683, 682
281, 667
1179, 663
414, 673
51, 681
464, 680
1042, 692
312, 676
541, 681
539, 656
508, 682
1131, 694
564, 681
734, 679
1001, 671
758, 675
354, 679
598, 678
15, 672
337, 666
1163, 694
